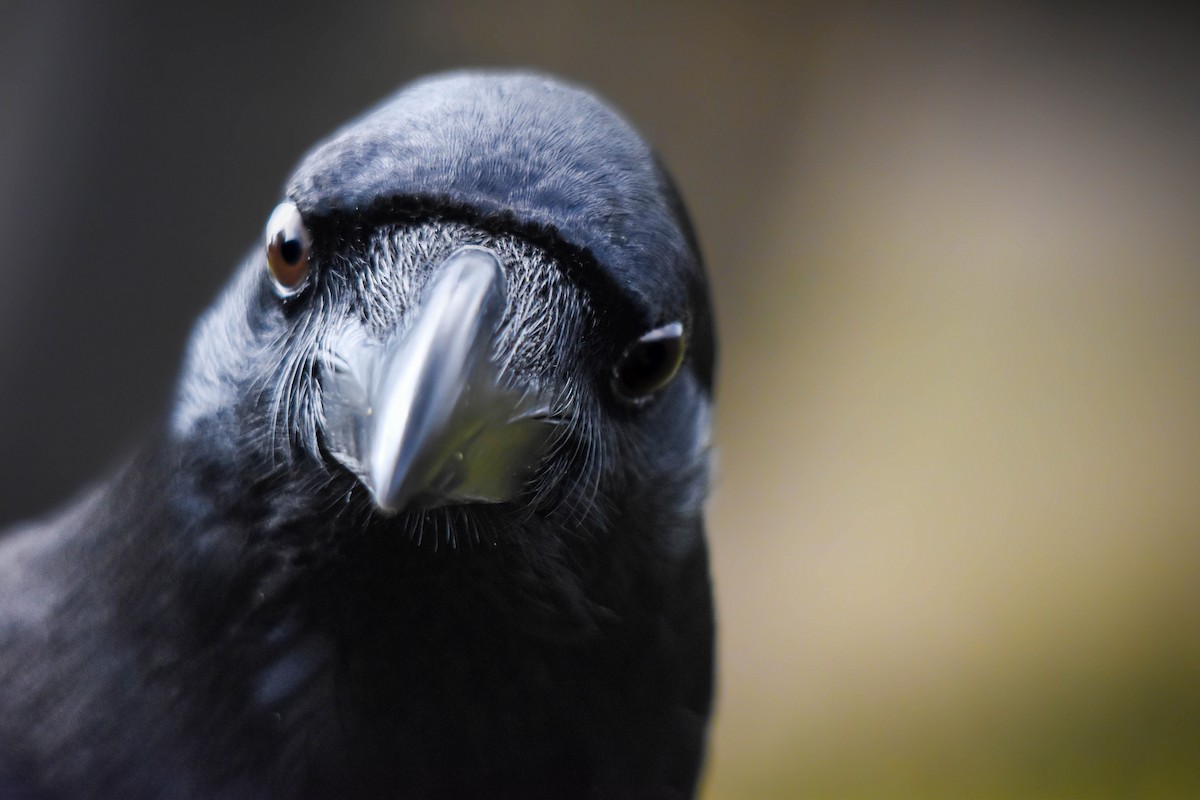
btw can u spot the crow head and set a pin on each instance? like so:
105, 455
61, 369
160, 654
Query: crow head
477, 309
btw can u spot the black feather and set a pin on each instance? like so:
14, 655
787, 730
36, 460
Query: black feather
231, 616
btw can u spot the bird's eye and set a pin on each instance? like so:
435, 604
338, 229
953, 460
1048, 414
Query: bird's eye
288, 246
649, 363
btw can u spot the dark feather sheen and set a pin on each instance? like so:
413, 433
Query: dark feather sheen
230, 616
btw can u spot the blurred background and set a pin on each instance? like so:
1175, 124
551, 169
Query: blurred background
954, 254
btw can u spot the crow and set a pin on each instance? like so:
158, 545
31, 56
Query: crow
425, 517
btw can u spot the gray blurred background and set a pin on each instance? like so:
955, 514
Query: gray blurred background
954, 251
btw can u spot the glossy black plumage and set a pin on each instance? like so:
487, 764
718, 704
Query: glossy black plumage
233, 616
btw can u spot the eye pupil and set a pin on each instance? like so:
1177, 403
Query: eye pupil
639, 369
650, 363
291, 250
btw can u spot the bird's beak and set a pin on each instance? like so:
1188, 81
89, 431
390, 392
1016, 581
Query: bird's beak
424, 420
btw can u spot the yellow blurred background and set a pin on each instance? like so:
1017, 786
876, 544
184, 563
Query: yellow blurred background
956, 526
954, 255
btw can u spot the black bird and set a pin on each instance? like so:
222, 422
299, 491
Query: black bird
425, 519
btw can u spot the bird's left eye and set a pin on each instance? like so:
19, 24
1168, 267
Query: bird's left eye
649, 363
288, 246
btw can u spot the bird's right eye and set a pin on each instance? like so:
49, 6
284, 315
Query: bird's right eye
649, 363
288, 246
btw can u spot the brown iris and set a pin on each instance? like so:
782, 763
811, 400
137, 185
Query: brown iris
288, 246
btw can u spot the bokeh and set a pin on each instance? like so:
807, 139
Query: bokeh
954, 248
